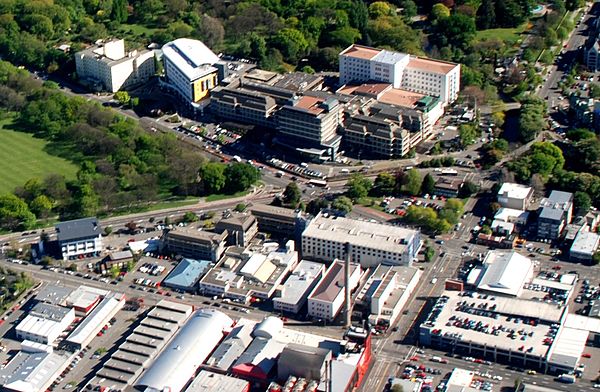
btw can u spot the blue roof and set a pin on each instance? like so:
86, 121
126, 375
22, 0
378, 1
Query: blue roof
186, 273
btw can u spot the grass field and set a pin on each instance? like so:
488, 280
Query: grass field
23, 157
510, 35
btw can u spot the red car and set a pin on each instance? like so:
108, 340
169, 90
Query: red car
556, 267
414, 358
586, 355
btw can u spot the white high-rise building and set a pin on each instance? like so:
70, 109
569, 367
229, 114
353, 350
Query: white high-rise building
108, 67
360, 64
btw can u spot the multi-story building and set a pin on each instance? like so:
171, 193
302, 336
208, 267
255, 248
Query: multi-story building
387, 292
278, 221
327, 298
189, 68
80, 237
241, 228
591, 55
554, 214
515, 196
108, 67
292, 295
311, 122
358, 64
370, 244
243, 105
202, 245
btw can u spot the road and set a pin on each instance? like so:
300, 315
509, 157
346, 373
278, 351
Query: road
570, 56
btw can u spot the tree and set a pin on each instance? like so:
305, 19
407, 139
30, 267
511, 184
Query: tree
315, 205
413, 182
468, 134
397, 388
409, 9
380, 8
72, 267
429, 254
486, 15
428, 185
452, 211
292, 194
213, 176
41, 206
531, 118
240, 207
457, 30
358, 187
342, 204
596, 258
189, 217
582, 202
115, 271
291, 43
468, 189
439, 11
108, 230
240, 176
384, 184
119, 11
122, 97
14, 213
579, 134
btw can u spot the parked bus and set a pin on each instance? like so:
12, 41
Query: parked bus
321, 183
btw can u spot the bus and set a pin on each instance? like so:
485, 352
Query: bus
321, 183
449, 172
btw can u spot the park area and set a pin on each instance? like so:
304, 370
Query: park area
22, 157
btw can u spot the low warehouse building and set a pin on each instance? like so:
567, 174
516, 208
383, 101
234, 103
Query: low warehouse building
584, 246
45, 323
212, 382
180, 360
186, 274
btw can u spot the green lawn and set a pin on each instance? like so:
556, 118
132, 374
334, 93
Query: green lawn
509, 35
221, 196
23, 157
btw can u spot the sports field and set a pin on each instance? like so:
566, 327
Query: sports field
23, 157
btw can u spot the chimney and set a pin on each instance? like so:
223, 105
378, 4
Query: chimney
347, 248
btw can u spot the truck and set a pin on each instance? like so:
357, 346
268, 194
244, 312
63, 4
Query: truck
567, 378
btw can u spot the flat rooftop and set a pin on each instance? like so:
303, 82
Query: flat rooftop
359, 233
503, 312
361, 52
211, 382
53, 294
300, 281
399, 97
429, 65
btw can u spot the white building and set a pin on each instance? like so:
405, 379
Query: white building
294, 292
502, 272
207, 381
33, 369
325, 239
189, 68
110, 68
44, 323
79, 237
192, 345
584, 246
387, 292
515, 196
432, 77
327, 298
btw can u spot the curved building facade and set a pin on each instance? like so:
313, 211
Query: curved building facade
178, 362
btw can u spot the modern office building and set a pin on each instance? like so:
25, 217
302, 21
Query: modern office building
108, 67
195, 244
359, 64
515, 196
371, 244
311, 122
327, 298
189, 68
242, 228
292, 295
554, 214
80, 237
